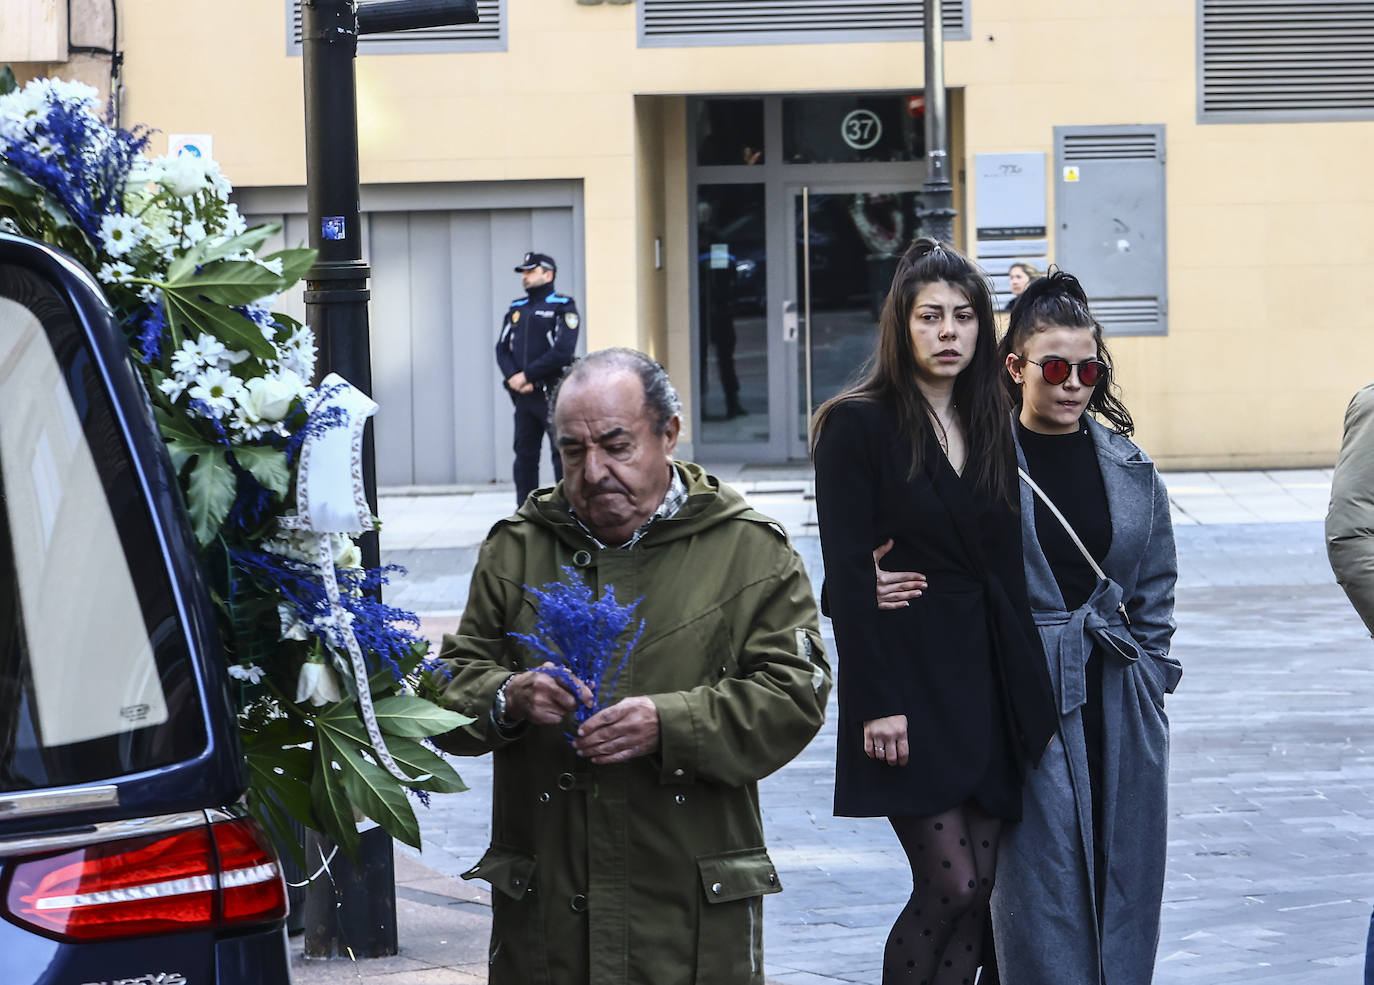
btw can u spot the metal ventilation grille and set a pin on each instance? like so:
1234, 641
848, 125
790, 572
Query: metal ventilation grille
1287, 58
1140, 146
701, 22
1127, 315
487, 34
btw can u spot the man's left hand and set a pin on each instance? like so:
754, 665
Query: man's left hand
625, 730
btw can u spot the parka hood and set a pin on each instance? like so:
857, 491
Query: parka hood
709, 502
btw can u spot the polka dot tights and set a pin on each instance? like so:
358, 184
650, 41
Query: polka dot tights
938, 937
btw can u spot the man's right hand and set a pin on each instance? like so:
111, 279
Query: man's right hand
542, 699
519, 384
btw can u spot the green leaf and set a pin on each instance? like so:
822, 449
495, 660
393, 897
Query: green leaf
229, 282
417, 760
7, 82
331, 803
214, 249
277, 824
381, 797
186, 310
209, 495
376, 792
410, 755
267, 465
266, 756
295, 263
416, 718
184, 442
40, 215
279, 774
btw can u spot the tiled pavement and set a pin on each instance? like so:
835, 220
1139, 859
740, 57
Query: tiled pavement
1272, 820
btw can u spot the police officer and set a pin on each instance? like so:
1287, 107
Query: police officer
538, 339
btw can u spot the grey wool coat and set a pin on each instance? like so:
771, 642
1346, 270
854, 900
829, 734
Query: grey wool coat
1045, 919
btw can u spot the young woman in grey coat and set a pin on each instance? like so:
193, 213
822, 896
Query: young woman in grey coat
1080, 879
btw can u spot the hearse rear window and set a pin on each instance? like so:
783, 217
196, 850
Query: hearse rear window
94, 679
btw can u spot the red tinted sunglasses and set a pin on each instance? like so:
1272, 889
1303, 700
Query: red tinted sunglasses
1090, 372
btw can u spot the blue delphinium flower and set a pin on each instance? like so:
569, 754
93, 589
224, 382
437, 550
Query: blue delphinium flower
378, 627
319, 420
86, 164
151, 325
580, 634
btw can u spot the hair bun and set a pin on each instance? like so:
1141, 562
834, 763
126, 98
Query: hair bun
1057, 283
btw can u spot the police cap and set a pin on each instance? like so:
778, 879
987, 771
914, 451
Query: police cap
533, 260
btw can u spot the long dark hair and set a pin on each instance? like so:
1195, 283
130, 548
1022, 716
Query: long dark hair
1058, 300
890, 374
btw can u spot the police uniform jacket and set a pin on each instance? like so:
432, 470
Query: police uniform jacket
652, 870
538, 336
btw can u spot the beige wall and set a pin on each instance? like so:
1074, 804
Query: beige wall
1269, 225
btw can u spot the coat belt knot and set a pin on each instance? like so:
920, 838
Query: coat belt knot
1096, 622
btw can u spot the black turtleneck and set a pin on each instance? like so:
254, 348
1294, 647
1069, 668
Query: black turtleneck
1065, 466
540, 292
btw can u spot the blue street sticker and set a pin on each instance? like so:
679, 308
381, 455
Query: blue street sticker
332, 227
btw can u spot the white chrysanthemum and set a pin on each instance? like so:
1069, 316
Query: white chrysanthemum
68, 93
297, 353
234, 224
22, 112
246, 427
205, 351
299, 545
121, 233
174, 386
273, 265
194, 231
252, 673
114, 272
217, 388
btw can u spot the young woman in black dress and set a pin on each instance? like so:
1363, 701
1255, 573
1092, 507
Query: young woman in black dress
942, 701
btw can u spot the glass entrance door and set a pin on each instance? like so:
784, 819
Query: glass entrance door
843, 251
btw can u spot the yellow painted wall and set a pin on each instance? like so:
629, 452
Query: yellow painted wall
1268, 225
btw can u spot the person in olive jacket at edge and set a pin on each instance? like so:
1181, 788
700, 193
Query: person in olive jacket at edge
635, 852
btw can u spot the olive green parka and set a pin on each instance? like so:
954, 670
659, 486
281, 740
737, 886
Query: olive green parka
650, 871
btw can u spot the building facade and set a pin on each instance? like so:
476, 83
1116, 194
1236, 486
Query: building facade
725, 185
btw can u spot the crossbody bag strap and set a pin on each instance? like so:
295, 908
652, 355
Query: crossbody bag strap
1073, 535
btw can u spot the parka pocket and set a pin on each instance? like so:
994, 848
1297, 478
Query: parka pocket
516, 954
730, 920
509, 871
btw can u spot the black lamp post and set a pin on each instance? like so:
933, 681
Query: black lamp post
937, 194
351, 907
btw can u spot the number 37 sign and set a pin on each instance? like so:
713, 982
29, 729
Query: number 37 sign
861, 128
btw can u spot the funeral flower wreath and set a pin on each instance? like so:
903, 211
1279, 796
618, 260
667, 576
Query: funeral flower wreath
334, 689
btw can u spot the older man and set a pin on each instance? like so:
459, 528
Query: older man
633, 851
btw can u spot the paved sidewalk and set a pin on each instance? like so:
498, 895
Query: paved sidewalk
1270, 875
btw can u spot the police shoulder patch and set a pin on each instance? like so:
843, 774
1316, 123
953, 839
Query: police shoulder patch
571, 319
514, 317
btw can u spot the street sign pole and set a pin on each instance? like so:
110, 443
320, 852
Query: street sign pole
937, 194
350, 907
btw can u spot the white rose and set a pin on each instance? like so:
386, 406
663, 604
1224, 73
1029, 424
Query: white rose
183, 175
269, 398
346, 553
